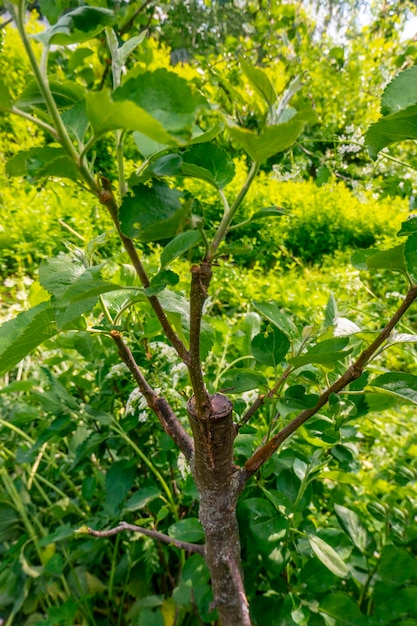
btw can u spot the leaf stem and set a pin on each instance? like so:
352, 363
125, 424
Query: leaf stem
43, 84
34, 120
229, 213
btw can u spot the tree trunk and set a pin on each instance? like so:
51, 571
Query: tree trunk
216, 479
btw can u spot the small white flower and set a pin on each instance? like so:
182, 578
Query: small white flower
117, 370
137, 402
21, 295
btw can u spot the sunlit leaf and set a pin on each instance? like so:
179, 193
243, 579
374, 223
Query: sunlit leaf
42, 163
274, 314
399, 384
77, 26
65, 94
24, 333
392, 129
329, 557
166, 97
326, 352
260, 82
179, 245
273, 139
105, 114
214, 164
5, 100
353, 526
401, 92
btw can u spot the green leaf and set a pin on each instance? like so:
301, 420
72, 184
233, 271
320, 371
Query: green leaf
178, 310
105, 114
141, 498
360, 258
391, 129
273, 313
189, 529
398, 384
392, 259
326, 352
271, 347
213, 164
166, 97
331, 311
77, 26
75, 120
269, 211
409, 227
396, 565
260, 82
410, 255
180, 244
58, 273
24, 333
202, 137
148, 147
160, 281
352, 525
265, 525
5, 100
167, 165
42, 163
272, 140
296, 399
343, 609
329, 557
152, 213
128, 47
74, 288
52, 9
401, 92
239, 380
119, 481
65, 94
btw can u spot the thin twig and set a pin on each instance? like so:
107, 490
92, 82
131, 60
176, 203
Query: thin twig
238, 583
131, 21
155, 534
260, 400
107, 198
263, 453
166, 416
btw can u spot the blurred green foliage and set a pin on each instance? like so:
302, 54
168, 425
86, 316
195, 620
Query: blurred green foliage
71, 422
